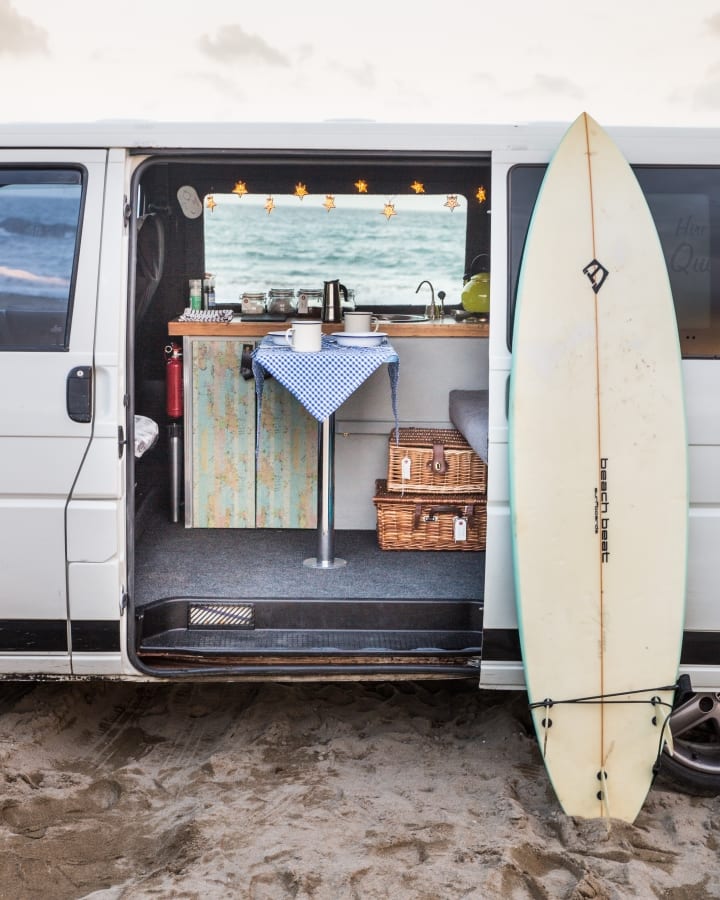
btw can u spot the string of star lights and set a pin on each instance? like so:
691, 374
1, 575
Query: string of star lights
389, 210
361, 186
451, 202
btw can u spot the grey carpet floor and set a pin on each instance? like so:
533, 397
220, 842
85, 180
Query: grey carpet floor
174, 561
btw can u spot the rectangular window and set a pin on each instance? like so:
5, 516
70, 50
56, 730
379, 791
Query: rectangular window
39, 238
685, 204
379, 246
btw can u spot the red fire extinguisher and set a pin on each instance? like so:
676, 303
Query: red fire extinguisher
174, 380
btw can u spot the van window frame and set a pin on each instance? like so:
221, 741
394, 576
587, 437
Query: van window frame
442, 172
645, 173
49, 174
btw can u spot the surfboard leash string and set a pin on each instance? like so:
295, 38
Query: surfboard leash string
614, 698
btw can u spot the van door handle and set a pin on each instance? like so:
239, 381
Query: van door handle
79, 393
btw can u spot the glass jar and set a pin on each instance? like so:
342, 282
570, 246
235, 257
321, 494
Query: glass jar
252, 304
281, 301
309, 302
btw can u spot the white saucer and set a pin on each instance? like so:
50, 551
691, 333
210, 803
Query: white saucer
278, 337
360, 338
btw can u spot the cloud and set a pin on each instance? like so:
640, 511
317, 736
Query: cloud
713, 24
20, 36
707, 95
233, 44
552, 84
547, 86
362, 76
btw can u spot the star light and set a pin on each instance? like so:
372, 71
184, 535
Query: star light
300, 190
481, 195
211, 204
240, 188
361, 186
418, 187
389, 210
329, 202
451, 202
269, 205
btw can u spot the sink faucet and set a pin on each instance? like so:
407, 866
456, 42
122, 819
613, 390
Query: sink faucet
430, 311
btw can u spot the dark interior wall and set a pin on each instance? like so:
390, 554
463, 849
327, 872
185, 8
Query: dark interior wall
386, 174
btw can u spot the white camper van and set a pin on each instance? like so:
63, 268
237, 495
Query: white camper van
162, 518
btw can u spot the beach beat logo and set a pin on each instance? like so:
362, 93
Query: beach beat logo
602, 511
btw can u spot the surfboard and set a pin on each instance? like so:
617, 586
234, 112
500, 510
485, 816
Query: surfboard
598, 479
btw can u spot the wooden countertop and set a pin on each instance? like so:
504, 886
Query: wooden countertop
445, 328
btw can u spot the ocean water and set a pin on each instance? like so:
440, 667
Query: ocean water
38, 229
300, 246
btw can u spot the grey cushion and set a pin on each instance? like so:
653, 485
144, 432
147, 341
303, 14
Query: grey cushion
469, 414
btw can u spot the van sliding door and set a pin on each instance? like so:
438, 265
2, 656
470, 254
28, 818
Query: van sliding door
50, 228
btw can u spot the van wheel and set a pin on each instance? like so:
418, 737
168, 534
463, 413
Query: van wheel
694, 766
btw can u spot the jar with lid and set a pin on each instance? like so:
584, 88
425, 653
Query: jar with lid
309, 302
252, 303
281, 301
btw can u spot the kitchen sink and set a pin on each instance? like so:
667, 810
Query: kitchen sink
396, 318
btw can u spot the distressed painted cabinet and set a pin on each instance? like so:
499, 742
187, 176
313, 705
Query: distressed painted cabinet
226, 486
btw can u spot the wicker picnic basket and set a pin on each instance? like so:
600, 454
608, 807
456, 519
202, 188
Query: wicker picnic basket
434, 461
415, 522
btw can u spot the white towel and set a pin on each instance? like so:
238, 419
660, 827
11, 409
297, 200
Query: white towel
146, 434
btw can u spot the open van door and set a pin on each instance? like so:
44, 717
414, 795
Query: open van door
51, 217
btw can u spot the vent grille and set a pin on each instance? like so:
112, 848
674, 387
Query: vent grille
221, 615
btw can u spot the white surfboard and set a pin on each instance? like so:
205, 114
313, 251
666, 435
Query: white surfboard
598, 478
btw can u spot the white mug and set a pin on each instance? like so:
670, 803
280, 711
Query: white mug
359, 322
305, 336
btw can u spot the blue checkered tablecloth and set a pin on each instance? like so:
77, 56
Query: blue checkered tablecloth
323, 381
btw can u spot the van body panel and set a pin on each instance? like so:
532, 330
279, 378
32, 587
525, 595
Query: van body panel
101, 474
98, 665
41, 447
32, 558
20, 666
94, 588
92, 531
702, 401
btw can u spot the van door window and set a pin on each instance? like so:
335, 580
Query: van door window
685, 204
39, 230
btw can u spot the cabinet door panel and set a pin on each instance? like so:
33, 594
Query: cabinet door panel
223, 437
287, 462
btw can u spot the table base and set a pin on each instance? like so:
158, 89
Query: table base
313, 562
326, 558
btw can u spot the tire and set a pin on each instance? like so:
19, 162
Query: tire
694, 765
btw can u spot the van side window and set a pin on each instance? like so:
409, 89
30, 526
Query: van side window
685, 204
39, 237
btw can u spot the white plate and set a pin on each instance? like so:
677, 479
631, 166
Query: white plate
360, 338
277, 337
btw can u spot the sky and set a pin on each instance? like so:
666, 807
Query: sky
645, 62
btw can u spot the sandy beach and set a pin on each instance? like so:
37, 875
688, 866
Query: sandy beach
324, 791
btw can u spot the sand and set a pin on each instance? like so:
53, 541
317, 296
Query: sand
322, 791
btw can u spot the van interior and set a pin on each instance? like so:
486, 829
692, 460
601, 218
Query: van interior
222, 599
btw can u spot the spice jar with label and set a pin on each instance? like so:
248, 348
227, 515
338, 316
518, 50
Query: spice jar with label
281, 301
